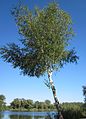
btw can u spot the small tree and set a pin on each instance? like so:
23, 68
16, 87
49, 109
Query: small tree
84, 105
46, 35
84, 93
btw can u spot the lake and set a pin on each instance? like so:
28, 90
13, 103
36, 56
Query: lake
22, 115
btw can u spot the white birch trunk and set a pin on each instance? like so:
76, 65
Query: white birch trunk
58, 107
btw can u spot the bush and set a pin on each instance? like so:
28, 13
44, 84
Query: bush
71, 114
83, 110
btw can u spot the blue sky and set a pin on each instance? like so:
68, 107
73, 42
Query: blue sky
68, 81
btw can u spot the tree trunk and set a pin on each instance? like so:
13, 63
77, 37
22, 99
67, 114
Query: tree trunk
58, 107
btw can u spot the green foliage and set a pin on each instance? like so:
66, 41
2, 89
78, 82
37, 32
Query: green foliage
48, 102
84, 105
70, 106
46, 35
2, 102
84, 93
83, 110
21, 104
73, 111
71, 114
29, 105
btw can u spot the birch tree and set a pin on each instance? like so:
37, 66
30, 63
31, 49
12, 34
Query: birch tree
45, 46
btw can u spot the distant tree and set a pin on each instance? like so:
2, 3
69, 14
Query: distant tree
84, 93
41, 105
2, 97
36, 105
23, 103
2, 102
29, 104
46, 35
48, 102
84, 105
16, 103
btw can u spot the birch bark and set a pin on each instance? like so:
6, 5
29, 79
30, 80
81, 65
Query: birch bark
58, 107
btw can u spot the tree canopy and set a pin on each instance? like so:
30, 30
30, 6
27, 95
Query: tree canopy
46, 34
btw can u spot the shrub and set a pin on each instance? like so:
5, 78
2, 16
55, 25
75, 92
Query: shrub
71, 114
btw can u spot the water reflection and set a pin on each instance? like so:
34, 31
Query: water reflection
19, 117
22, 115
1, 116
25, 117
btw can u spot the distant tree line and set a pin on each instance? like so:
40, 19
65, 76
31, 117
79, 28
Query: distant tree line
30, 105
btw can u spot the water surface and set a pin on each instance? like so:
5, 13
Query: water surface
22, 115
